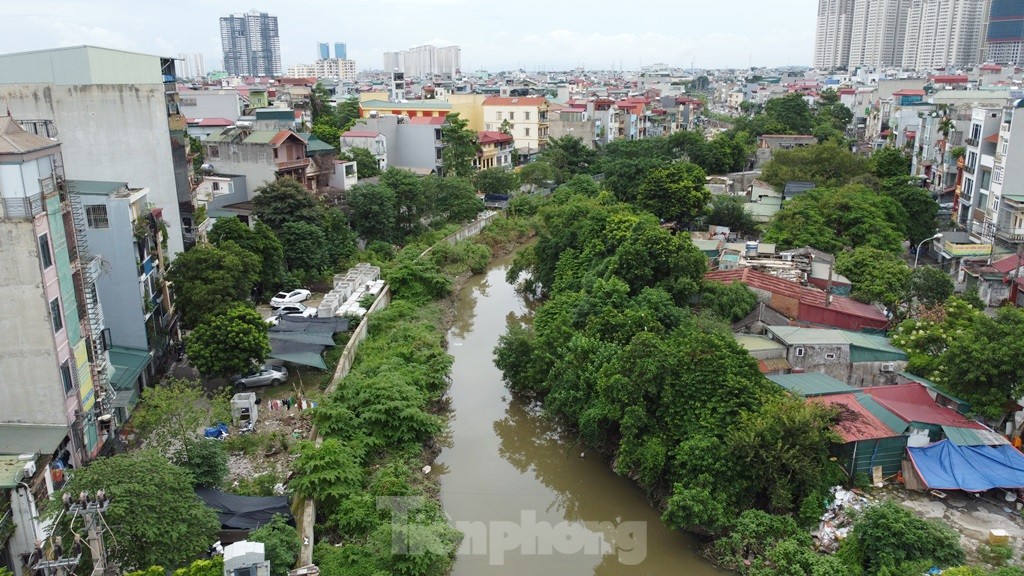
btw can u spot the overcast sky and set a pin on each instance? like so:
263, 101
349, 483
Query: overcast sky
494, 35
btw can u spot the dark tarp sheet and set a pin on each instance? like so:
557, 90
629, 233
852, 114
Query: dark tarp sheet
244, 512
297, 352
946, 466
288, 323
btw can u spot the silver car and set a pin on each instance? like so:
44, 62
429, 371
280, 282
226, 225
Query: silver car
265, 376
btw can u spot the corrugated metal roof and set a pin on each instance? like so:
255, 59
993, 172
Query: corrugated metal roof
912, 403
894, 422
808, 384
856, 421
30, 438
260, 137
754, 343
795, 335
773, 365
128, 363
964, 405
15, 140
973, 436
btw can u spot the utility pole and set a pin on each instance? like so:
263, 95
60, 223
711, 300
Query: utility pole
91, 511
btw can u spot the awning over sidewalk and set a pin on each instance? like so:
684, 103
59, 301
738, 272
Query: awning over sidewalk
128, 364
946, 466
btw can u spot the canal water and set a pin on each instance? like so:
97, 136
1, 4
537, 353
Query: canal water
529, 499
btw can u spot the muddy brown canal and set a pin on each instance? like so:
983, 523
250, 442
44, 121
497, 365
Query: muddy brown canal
526, 500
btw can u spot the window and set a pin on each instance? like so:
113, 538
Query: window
972, 160
511, 115
799, 351
997, 175
830, 356
986, 178
44, 251
96, 216
55, 317
216, 186
975, 131
213, 152
527, 131
968, 187
526, 115
66, 378
498, 115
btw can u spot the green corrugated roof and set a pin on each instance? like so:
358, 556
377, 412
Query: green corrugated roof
811, 384
30, 438
12, 471
794, 335
882, 413
128, 364
97, 187
973, 437
223, 136
315, 145
754, 343
412, 104
260, 136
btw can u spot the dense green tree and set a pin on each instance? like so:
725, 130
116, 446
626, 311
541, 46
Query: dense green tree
416, 279
231, 342
537, 174
373, 209
326, 131
791, 111
208, 279
307, 247
261, 242
624, 176
366, 162
452, 200
460, 147
347, 114
206, 460
728, 211
890, 162
157, 518
920, 208
888, 535
930, 286
677, 193
284, 200
569, 156
730, 302
827, 165
339, 239
172, 416
499, 180
281, 544
830, 219
411, 200
877, 276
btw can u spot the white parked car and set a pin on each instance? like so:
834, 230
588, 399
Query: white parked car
295, 310
282, 298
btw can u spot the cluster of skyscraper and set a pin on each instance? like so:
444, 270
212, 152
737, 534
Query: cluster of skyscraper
251, 44
323, 51
425, 61
917, 34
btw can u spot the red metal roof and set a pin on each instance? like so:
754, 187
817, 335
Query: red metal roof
210, 121
493, 136
913, 403
436, 120
1007, 265
992, 68
360, 134
841, 312
856, 422
949, 79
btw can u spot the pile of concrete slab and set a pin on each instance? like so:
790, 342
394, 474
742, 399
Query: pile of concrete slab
349, 290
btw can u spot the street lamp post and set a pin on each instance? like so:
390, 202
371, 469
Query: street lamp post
918, 255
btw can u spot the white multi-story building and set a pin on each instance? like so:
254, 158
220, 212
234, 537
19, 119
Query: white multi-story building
877, 33
832, 36
425, 61
944, 33
190, 66
325, 68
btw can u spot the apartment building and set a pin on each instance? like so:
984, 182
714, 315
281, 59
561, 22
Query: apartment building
344, 70
832, 34
944, 34
117, 116
425, 61
993, 190
877, 34
1004, 38
250, 44
525, 118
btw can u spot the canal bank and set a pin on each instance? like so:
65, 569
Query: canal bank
528, 500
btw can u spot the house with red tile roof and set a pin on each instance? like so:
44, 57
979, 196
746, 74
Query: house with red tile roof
495, 150
525, 117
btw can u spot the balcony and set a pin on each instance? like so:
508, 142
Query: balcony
23, 207
1013, 236
971, 141
292, 164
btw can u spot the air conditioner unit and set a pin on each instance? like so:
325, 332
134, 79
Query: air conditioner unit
30, 469
888, 367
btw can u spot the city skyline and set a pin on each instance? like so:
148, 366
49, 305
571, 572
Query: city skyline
753, 33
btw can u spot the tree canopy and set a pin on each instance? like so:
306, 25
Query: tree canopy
209, 279
284, 200
231, 342
155, 516
677, 193
828, 165
460, 147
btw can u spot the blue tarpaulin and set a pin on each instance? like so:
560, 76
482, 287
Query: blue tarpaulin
946, 466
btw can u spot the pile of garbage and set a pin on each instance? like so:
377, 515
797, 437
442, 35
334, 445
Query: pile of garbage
836, 521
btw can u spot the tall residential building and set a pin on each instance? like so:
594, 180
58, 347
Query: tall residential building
877, 33
117, 117
832, 35
340, 51
323, 50
190, 66
943, 34
425, 61
54, 366
1005, 36
251, 44
325, 68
